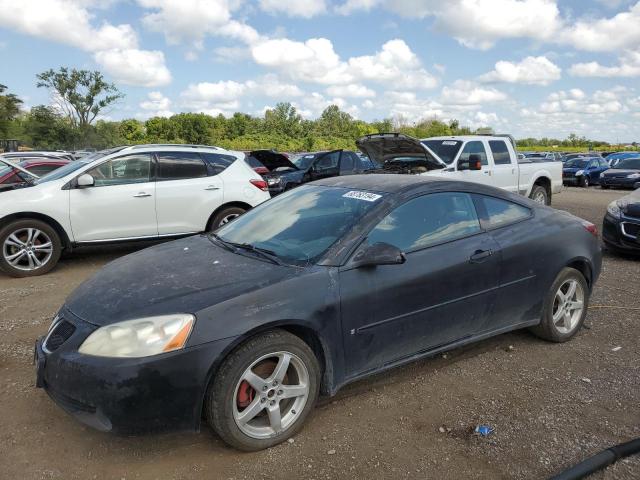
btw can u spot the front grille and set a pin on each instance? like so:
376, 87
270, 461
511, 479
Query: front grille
59, 334
631, 229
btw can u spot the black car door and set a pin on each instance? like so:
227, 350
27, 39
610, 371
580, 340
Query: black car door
442, 293
326, 166
348, 163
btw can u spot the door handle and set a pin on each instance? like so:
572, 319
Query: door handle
480, 256
487, 172
142, 195
212, 187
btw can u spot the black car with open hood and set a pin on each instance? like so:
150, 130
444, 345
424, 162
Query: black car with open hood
399, 153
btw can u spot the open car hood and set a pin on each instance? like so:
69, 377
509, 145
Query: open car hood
272, 159
384, 148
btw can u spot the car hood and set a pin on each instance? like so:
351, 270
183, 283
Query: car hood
183, 276
384, 147
272, 160
615, 172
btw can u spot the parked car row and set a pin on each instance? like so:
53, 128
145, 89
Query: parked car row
584, 172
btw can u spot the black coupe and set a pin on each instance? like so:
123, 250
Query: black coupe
323, 285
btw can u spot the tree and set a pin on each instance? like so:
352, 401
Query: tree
9, 109
80, 94
283, 119
132, 131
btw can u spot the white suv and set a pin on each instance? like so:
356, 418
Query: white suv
123, 194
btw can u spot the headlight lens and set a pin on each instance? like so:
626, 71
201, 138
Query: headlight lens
141, 337
273, 181
634, 175
615, 209
579, 172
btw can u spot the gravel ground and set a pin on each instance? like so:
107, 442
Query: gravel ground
551, 405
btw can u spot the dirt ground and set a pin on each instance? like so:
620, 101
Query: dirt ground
550, 404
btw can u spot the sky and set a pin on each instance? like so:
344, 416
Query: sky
531, 68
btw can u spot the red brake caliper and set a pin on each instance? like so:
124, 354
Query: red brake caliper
245, 394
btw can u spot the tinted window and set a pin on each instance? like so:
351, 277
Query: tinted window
301, 224
603, 163
123, 170
42, 170
576, 163
328, 161
501, 212
474, 148
427, 220
629, 163
346, 162
218, 163
179, 165
500, 152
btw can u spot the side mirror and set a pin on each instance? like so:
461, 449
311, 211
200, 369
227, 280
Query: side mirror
378, 254
474, 163
85, 180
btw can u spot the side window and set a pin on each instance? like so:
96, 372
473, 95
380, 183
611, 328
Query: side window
502, 212
427, 220
217, 163
500, 152
328, 161
180, 165
42, 170
603, 163
474, 148
593, 164
346, 163
123, 170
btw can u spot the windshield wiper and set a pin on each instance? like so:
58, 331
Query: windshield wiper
228, 245
262, 252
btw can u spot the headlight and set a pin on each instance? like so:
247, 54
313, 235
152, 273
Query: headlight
634, 175
273, 181
579, 172
141, 337
615, 208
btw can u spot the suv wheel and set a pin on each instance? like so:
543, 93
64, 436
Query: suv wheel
263, 391
28, 248
224, 216
565, 307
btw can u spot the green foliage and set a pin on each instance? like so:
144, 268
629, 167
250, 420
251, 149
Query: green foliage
9, 110
81, 94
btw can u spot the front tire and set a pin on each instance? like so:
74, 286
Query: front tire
224, 216
28, 248
584, 182
263, 391
565, 307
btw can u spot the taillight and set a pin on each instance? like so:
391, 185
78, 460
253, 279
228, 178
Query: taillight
261, 170
261, 184
591, 228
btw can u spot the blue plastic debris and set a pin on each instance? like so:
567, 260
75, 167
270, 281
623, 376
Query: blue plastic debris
484, 430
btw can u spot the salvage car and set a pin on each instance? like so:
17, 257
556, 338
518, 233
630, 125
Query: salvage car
583, 172
143, 192
490, 160
321, 286
11, 175
314, 166
625, 173
621, 224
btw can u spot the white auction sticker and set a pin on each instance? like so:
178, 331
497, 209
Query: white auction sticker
449, 142
366, 196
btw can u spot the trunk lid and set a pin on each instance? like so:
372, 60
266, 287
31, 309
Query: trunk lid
272, 160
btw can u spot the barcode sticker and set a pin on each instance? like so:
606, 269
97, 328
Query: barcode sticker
366, 196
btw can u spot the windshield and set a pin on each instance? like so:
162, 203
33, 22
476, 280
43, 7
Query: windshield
576, 163
445, 149
62, 171
304, 161
628, 164
302, 224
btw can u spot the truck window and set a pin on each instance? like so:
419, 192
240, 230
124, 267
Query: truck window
500, 152
474, 148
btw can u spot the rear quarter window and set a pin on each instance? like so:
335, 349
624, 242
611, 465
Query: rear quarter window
218, 163
501, 212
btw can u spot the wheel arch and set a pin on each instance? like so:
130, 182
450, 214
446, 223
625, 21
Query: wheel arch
544, 182
53, 223
584, 266
240, 204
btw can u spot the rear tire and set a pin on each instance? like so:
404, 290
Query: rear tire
565, 307
284, 399
28, 248
540, 195
224, 216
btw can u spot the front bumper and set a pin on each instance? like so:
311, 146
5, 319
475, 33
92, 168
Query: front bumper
618, 233
127, 395
570, 180
619, 182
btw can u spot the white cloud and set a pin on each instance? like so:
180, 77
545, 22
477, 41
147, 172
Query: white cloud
190, 21
271, 86
143, 68
576, 101
156, 105
628, 66
351, 6
352, 90
531, 71
463, 92
294, 8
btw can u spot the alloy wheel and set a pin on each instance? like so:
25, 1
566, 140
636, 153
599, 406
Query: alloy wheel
270, 395
228, 218
27, 249
540, 198
568, 305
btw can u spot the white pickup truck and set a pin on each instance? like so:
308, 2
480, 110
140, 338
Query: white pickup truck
491, 160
